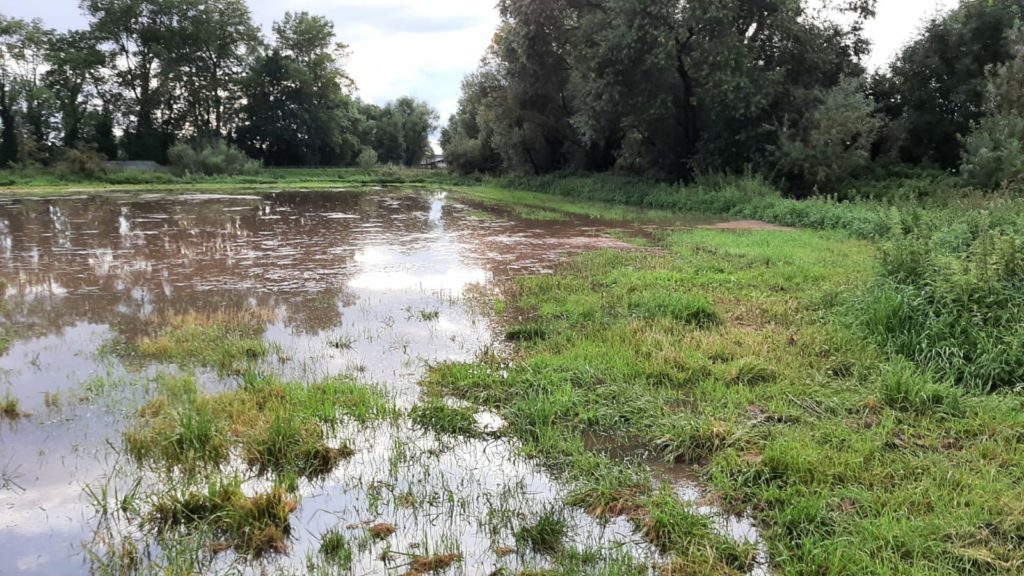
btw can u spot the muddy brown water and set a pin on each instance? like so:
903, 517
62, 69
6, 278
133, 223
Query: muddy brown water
329, 266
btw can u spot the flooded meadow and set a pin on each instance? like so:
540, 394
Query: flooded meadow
231, 384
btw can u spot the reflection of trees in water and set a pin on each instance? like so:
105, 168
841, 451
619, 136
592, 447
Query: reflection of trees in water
110, 260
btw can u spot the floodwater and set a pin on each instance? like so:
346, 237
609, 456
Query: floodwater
403, 278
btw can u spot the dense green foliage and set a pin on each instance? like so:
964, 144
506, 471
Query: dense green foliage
657, 86
209, 159
160, 72
672, 89
936, 89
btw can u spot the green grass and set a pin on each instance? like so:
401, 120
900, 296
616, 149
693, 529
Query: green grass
279, 428
851, 459
335, 550
546, 535
227, 340
10, 408
436, 415
41, 180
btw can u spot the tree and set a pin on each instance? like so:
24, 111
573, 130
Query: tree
672, 86
400, 131
298, 108
467, 140
9, 31
938, 83
208, 56
74, 61
136, 35
27, 107
831, 143
994, 150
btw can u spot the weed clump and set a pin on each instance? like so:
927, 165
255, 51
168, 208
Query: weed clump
431, 564
694, 439
253, 526
751, 372
381, 531
905, 387
953, 305
10, 408
545, 536
293, 445
691, 309
670, 526
336, 550
526, 333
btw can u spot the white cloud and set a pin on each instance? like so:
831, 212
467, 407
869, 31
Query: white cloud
897, 23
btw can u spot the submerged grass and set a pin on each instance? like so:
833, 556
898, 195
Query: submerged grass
851, 460
10, 408
221, 471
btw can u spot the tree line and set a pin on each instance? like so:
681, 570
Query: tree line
149, 74
673, 89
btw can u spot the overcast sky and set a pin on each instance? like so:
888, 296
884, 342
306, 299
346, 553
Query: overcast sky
424, 47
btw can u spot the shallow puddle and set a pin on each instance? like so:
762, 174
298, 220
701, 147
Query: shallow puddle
377, 285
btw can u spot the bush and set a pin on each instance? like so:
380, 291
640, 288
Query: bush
81, 163
367, 158
994, 152
210, 159
831, 143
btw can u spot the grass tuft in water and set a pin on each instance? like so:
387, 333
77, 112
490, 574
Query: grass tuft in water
254, 526
438, 416
335, 550
10, 408
279, 427
433, 564
544, 536
225, 340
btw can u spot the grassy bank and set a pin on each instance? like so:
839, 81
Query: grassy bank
739, 354
45, 181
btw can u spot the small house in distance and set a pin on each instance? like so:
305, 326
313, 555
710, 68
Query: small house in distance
434, 161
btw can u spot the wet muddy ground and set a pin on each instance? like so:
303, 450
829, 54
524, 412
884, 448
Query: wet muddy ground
374, 285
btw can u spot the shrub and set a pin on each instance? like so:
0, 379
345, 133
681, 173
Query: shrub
367, 158
81, 163
210, 159
832, 142
994, 152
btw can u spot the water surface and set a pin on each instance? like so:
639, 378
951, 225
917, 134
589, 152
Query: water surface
404, 279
